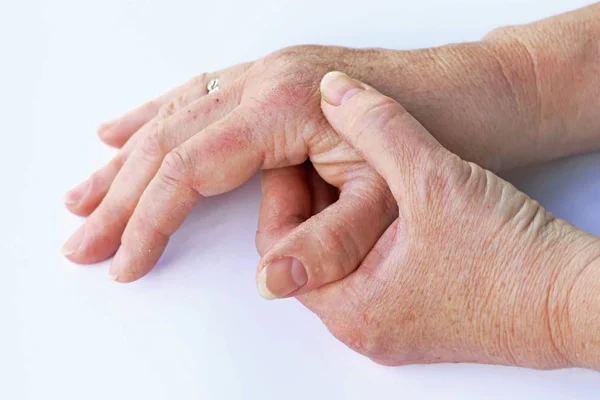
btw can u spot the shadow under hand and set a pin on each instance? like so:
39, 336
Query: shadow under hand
217, 225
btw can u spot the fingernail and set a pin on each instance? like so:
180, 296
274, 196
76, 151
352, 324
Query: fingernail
337, 88
281, 278
71, 246
76, 194
113, 276
113, 272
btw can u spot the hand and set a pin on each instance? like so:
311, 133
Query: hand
472, 270
271, 107
266, 116
487, 102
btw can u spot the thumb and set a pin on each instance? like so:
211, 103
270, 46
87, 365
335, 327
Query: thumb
331, 244
386, 135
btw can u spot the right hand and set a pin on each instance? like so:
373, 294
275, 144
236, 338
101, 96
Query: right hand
472, 270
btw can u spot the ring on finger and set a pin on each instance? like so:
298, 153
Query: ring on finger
213, 86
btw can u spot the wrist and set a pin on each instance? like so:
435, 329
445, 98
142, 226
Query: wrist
560, 55
466, 96
522, 95
574, 303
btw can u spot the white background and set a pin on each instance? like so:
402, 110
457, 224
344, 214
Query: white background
195, 328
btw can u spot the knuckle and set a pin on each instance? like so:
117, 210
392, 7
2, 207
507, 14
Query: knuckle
333, 240
376, 117
152, 105
176, 169
283, 54
436, 177
275, 225
95, 182
384, 109
152, 146
293, 85
166, 110
436, 180
172, 106
199, 80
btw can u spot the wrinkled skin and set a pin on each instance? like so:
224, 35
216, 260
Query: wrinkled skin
415, 296
266, 116
472, 270
186, 145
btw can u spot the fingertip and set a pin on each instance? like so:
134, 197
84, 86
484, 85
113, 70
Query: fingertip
75, 195
123, 278
109, 136
106, 125
263, 289
85, 198
72, 246
119, 271
282, 278
75, 209
92, 243
134, 258
337, 88
81, 209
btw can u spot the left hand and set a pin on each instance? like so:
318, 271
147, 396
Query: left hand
186, 145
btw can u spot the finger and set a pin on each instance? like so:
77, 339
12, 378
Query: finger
336, 303
217, 160
85, 197
322, 194
290, 196
388, 137
331, 244
118, 131
285, 203
102, 231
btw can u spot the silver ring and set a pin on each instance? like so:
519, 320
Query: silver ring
213, 86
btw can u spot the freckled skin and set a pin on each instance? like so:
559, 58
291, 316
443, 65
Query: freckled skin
457, 280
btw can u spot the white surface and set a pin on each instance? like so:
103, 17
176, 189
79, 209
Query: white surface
196, 327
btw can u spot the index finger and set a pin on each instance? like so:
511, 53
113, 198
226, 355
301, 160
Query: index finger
216, 160
118, 131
